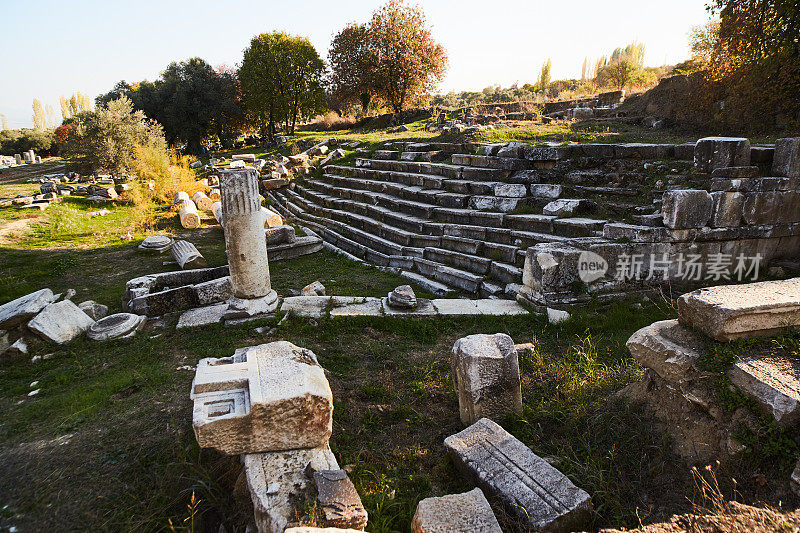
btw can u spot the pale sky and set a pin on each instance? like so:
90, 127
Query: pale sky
53, 48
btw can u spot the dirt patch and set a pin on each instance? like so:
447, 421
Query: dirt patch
13, 230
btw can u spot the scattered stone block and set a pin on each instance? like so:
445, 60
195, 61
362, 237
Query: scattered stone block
774, 382
455, 513
277, 482
730, 312
94, 310
306, 306
668, 348
20, 347
187, 255
339, 500
485, 371
249, 158
274, 183
271, 397
546, 190
557, 316
60, 322
459, 306
203, 316
313, 289
24, 308
156, 243
718, 152
280, 235
402, 297
687, 208
533, 491
115, 326
357, 307
786, 161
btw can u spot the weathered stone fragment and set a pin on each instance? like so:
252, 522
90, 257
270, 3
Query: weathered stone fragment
115, 326
156, 243
718, 152
734, 311
534, 492
187, 255
455, 513
687, 208
249, 158
564, 207
25, 307
60, 322
786, 161
402, 297
735, 172
271, 218
485, 371
510, 190
546, 190
313, 289
278, 484
668, 348
202, 316
308, 306
270, 397
339, 500
280, 235
20, 347
774, 382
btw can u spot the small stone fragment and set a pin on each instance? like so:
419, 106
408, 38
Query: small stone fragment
339, 500
95, 310
455, 513
402, 297
313, 289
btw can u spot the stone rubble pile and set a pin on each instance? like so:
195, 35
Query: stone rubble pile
681, 391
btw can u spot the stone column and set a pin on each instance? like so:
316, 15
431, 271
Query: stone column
243, 226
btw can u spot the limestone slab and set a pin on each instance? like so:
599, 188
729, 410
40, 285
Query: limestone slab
278, 484
271, 397
774, 382
786, 161
455, 513
339, 500
485, 372
687, 208
729, 312
60, 322
202, 316
358, 307
307, 306
719, 152
500, 307
24, 308
452, 306
533, 491
668, 348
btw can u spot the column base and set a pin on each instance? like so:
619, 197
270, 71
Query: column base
251, 308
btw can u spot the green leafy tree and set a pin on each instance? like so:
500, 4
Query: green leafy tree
352, 67
281, 81
110, 137
625, 68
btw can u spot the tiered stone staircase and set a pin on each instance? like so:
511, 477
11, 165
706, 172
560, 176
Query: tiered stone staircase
464, 224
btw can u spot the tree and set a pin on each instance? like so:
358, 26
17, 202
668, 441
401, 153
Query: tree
110, 137
408, 63
191, 100
352, 66
626, 67
39, 117
77, 103
281, 81
544, 76
3, 122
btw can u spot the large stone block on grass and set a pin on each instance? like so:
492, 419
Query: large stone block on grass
279, 486
485, 371
539, 496
24, 308
60, 322
711, 153
730, 312
668, 348
687, 208
786, 161
271, 397
455, 513
774, 382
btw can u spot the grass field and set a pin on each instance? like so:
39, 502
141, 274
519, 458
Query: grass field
107, 443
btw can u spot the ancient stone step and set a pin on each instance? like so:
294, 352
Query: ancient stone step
534, 492
271, 397
668, 348
734, 311
774, 382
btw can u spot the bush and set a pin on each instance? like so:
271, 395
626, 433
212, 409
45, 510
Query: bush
107, 139
18, 141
